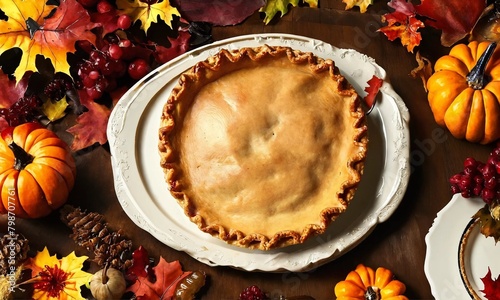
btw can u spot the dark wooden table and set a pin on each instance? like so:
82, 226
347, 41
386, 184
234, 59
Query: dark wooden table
397, 244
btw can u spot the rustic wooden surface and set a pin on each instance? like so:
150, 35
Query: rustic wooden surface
397, 244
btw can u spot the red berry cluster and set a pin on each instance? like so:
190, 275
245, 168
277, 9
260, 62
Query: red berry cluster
26, 109
252, 292
56, 89
116, 57
479, 179
104, 67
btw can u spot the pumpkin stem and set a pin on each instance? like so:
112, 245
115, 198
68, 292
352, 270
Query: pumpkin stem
104, 274
22, 158
372, 293
476, 77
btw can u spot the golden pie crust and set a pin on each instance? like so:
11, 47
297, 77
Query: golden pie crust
263, 147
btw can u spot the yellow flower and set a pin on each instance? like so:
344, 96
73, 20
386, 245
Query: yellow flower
55, 278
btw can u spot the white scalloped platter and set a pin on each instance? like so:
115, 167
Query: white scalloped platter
143, 193
451, 229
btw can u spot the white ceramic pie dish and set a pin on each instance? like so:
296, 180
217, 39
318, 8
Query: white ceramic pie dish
143, 194
442, 260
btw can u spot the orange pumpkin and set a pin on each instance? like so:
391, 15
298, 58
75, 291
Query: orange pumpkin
37, 171
366, 284
464, 92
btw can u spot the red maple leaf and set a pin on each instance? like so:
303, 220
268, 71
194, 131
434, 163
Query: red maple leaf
166, 274
456, 18
10, 92
372, 89
177, 47
91, 125
107, 20
491, 286
402, 23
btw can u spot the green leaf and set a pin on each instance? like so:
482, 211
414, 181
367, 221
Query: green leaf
273, 7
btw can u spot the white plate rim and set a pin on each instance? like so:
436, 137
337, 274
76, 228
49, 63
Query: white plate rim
442, 265
129, 185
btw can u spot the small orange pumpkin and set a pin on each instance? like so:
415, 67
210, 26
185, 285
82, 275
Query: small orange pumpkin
366, 284
37, 171
464, 92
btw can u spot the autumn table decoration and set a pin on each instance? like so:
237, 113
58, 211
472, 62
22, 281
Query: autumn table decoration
464, 92
107, 283
125, 269
480, 180
92, 232
37, 171
57, 278
364, 283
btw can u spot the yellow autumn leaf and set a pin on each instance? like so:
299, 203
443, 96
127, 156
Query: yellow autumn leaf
146, 13
363, 4
55, 110
33, 27
312, 3
272, 7
55, 278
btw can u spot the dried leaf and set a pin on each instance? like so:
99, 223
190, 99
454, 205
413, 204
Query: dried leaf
218, 12
55, 278
403, 24
423, 70
146, 13
455, 18
362, 4
491, 286
166, 274
28, 28
489, 226
488, 26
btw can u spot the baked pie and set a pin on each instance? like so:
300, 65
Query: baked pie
263, 147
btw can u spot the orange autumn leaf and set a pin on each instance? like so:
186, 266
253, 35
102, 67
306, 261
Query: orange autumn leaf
167, 275
32, 27
404, 28
403, 24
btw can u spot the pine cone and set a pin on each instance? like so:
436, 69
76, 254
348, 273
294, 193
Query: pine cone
92, 232
13, 252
